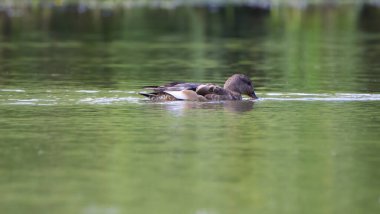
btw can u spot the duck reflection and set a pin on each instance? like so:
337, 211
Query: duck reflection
179, 107
239, 106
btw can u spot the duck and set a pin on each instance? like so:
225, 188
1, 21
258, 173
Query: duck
233, 89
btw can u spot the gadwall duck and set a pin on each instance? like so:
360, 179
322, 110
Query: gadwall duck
233, 89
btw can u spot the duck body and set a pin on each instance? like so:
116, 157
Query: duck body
233, 89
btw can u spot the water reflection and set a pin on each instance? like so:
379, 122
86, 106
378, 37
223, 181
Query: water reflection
70, 115
239, 106
368, 18
114, 47
180, 107
118, 97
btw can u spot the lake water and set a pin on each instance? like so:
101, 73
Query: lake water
76, 137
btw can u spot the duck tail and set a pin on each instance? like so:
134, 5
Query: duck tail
149, 95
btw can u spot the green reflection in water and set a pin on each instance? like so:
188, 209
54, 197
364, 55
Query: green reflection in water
85, 154
146, 159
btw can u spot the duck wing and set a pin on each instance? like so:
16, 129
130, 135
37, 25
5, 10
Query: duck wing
209, 88
159, 96
174, 86
174, 95
216, 92
173, 91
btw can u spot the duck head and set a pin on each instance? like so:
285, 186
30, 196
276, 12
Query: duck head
241, 84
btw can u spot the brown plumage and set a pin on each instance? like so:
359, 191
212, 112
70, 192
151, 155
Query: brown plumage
233, 89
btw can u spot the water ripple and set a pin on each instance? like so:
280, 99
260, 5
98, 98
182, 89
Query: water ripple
87, 91
95, 97
12, 90
319, 97
42, 102
109, 100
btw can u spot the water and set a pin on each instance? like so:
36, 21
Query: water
76, 137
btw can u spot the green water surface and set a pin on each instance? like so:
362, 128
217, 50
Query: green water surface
75, 137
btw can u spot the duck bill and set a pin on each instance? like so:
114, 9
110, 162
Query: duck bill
253, 95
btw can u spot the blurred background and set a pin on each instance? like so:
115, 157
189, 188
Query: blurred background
275, 41
75, 137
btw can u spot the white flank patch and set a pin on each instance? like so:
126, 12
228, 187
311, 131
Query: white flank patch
178, 95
